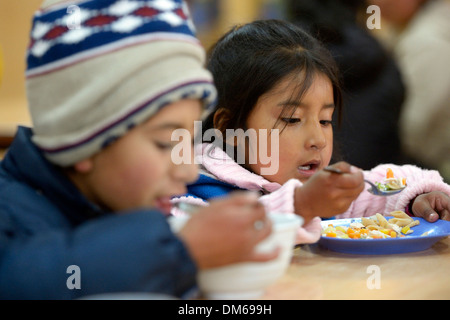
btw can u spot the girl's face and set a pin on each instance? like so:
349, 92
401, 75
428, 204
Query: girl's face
137, 170
306, 143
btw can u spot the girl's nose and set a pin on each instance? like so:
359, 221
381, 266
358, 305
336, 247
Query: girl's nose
315, 137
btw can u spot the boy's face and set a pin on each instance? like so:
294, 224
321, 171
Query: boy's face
137, 170
306, 143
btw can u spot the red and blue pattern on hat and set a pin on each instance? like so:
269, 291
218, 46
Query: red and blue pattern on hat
98, 68
64, 34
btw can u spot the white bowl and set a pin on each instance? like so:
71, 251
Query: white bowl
248, 280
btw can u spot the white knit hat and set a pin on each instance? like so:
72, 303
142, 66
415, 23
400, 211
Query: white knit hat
97, 68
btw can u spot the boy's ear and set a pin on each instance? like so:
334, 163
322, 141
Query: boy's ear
84, 166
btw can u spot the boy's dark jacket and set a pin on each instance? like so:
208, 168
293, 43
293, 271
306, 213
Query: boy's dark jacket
47, 225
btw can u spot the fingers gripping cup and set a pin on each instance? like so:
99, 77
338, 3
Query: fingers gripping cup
248, 280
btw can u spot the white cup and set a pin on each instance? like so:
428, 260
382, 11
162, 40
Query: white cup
248, 280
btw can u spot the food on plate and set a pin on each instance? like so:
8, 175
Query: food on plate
374, 227
391, 182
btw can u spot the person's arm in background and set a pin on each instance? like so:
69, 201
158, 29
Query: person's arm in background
423, 54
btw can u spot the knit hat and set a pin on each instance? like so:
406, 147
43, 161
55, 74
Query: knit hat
97, 68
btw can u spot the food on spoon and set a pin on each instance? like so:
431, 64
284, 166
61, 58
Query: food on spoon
391, 182
374, 227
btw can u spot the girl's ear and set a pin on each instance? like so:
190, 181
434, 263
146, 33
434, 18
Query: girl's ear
84, 166
221, 119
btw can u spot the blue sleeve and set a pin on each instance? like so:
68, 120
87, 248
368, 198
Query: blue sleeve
133, 252
207, 188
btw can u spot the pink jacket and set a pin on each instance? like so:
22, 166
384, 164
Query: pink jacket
280, 198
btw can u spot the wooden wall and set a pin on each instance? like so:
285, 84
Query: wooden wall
15, 24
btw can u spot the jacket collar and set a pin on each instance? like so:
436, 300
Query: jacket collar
25, 162
218, 163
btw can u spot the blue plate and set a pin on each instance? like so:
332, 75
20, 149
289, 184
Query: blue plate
410, 243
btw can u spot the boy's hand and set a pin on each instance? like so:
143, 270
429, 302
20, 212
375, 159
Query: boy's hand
326, 194
432, 206
225, 232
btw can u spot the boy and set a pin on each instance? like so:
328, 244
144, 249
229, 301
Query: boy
105, 91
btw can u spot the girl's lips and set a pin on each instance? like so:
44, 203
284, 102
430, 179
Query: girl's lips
308, 169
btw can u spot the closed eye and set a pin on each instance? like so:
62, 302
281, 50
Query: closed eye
163, 145
291, 120
326, 123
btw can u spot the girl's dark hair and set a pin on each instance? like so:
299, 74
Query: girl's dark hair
250, 60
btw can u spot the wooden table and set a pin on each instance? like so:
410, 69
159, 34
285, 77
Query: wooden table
316, 273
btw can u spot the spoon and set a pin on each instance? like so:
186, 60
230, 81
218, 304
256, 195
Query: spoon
373, 188
189, 208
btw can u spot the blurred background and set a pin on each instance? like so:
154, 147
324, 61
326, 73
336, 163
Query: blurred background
15, 23
385, 120
212, 17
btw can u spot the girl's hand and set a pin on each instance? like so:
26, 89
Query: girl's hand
432, 206
326, 194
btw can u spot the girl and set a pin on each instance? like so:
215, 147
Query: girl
271, 75
85, 188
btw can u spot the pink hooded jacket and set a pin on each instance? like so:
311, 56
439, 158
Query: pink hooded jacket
280, 198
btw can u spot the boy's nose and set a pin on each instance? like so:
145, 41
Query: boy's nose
186, 172
191, 173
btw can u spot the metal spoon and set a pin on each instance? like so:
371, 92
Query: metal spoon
373, 188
